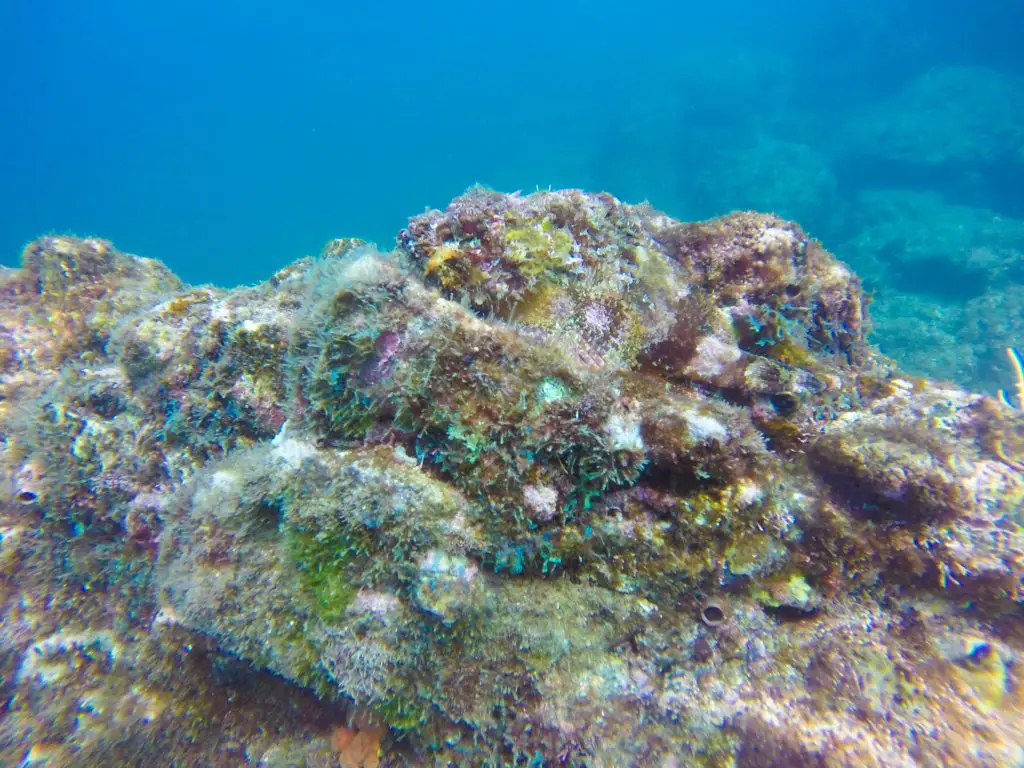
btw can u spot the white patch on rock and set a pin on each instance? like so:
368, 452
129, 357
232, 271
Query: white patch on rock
377, 603
623, 430
362, 268
289, 451
775, 237
713, 357
703, 428
542, 501
224, 480
747, 494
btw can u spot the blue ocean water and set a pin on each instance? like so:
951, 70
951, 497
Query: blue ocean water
228, 139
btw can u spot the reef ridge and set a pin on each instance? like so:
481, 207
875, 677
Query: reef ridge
557, 481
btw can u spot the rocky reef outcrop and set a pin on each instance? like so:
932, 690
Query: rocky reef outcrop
558, 481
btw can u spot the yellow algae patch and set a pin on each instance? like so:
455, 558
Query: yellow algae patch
986, 676
46, 753
179, 307
536, 308
537, 250
439, 257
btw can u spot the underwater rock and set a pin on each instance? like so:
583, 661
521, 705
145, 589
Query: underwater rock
946, 281
949, 117
771, 174
559, 481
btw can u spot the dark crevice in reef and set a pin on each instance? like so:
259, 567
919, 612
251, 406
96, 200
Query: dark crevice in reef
790, 612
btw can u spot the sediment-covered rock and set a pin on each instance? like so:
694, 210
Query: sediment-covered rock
559, 481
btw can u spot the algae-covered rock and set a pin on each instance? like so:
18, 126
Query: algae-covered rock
559, 481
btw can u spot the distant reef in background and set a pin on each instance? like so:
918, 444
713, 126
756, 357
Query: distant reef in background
921, 191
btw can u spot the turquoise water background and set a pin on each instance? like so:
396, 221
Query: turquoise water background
230, 138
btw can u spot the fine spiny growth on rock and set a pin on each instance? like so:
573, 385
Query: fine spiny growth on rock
559, 481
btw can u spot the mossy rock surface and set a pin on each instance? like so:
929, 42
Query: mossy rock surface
559, 481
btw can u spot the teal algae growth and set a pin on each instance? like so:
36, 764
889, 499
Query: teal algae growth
558, 481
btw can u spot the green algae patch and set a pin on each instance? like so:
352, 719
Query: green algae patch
324, 563
344, 407
403, 713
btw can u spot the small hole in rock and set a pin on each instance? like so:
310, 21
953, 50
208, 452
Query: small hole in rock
712, 614
787, 613
26, 496
785, 403
267, 517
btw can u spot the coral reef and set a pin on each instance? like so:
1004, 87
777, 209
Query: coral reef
559, 481
949, 116
947, 280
